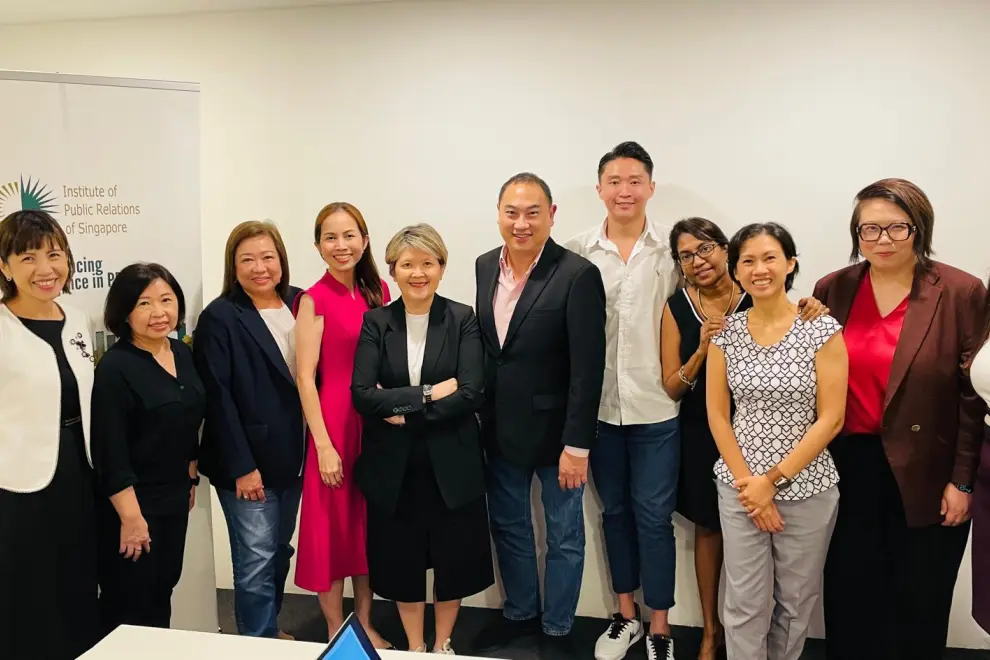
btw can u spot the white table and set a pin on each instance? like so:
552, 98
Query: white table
130, 642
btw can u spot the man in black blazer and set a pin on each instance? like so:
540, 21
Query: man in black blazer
541, 309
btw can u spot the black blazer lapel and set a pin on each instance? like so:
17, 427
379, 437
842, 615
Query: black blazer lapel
251, 319
486, 312
537, 281
436, 338
396, 350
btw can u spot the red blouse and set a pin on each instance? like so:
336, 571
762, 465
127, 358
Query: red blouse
871, 340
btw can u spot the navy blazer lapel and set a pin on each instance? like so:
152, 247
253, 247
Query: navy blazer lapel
436, 338
251, 319
486, 309
537, 281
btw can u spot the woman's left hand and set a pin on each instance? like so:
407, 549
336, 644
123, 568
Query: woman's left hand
811, 308
955, 506
756, 493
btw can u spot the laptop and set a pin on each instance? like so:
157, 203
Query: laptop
350, 643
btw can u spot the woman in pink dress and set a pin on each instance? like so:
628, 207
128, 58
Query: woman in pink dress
332, 528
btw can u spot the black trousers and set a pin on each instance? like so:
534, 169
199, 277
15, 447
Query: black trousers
888, 587
139, 592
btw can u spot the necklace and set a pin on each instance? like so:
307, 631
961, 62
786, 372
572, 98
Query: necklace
701, 303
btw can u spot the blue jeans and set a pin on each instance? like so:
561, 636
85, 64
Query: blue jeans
260, 549
635, 471
509, 510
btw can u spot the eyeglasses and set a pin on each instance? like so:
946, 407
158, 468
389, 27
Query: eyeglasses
704, 251
897, 231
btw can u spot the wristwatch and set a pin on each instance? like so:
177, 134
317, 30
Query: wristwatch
428, 393
780, 482
194, 480
963, 488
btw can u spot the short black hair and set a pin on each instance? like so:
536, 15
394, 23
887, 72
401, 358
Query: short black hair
774, 231
126, 290
627, 149
525, 177
701, 228
23, 231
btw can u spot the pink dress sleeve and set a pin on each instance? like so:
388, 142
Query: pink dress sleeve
295, 302
386, 295
319, 306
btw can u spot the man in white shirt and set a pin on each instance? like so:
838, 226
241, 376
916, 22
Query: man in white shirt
634, 461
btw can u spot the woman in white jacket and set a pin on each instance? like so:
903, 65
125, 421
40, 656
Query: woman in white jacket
48, 583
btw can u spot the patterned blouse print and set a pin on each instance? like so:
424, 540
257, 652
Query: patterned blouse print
775, 389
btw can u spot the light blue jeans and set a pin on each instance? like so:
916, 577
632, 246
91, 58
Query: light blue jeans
260, 550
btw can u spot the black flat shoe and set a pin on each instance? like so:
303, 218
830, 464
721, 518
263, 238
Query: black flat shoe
561, 647
500, 634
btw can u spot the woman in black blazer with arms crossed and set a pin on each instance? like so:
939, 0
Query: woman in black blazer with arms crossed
418, 381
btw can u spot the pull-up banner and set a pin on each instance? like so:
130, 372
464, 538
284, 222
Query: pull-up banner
116, 162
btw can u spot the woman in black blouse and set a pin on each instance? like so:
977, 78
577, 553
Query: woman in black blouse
148, 404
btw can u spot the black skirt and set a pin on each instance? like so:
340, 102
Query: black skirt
48, 583
697, 496
422, 534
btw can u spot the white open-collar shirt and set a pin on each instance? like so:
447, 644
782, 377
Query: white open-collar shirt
635, 294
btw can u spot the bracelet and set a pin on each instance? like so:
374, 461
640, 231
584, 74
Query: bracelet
194, 481
689, 383
963, 488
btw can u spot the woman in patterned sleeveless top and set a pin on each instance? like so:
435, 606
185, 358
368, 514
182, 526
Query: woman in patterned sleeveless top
691, 317
776, 483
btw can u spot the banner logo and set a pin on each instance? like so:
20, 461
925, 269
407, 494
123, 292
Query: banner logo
32, 196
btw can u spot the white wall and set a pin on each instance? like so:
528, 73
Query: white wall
418, 112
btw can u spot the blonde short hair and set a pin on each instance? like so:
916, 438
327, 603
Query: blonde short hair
416, 237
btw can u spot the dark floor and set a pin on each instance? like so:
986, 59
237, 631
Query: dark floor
301, 618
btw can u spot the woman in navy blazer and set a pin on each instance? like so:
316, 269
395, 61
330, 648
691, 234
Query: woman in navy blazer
252, 446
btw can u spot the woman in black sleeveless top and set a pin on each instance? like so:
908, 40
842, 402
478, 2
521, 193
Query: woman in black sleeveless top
690, 318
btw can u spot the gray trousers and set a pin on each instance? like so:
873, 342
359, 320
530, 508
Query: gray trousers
787, 566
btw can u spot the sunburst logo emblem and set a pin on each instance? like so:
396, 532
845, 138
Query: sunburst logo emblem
20, 196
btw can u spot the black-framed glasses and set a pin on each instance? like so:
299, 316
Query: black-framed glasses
704, 251
896, 231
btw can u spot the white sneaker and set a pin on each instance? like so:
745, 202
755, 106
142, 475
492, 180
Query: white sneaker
659, 647
615, 642
446, 649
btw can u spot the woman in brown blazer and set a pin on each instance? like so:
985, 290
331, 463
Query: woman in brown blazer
908, 453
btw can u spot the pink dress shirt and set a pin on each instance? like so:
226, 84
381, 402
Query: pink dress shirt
507, 293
